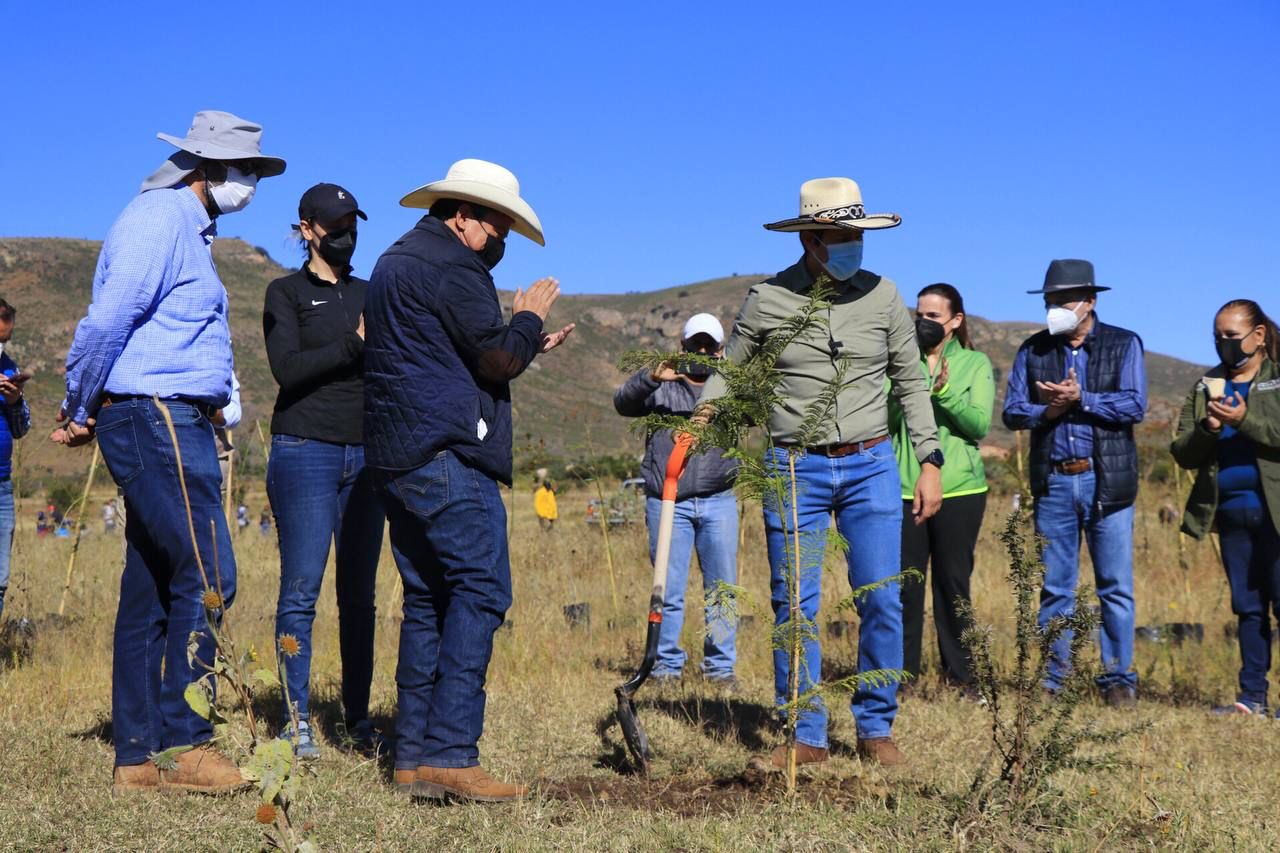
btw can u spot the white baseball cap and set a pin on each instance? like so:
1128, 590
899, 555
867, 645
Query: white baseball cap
703, 324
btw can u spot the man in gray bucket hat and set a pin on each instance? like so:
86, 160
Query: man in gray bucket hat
155, 348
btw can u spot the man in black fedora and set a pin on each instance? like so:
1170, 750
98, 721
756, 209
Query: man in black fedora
1080, 386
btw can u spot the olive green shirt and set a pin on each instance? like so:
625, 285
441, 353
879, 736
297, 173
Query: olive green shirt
871, 325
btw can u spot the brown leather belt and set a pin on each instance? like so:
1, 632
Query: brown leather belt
1073, 466
835, 451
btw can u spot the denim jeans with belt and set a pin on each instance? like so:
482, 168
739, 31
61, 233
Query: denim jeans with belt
322, 494
709, 525
862, 491
1067, 509
161, 588
1251, 555
449, 537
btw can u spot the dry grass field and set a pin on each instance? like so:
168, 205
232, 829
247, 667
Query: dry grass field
1190, 781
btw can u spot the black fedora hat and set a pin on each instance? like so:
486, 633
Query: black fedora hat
1069, 274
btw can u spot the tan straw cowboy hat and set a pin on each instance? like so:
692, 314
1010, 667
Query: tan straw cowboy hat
833, 203
483, 183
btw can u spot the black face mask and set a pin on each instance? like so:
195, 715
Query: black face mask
494, 249
929, 333
1231, 352
337, 247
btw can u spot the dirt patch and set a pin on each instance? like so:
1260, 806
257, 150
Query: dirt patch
689, 797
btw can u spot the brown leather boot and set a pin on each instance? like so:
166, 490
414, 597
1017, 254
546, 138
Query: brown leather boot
404, 780
464, 783
777, 760
203, 770
881, 750
135, 778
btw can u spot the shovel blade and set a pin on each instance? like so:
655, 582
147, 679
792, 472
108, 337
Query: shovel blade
632, 732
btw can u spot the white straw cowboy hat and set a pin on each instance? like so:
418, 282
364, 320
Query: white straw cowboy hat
834, 203
486, 184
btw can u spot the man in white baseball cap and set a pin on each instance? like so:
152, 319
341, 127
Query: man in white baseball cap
706, 509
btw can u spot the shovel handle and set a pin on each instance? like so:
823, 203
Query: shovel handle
676, 463
662, 554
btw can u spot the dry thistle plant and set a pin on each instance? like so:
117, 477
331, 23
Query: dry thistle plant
1034, 735
752, 395
272, 766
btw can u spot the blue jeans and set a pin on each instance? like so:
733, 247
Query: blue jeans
710, 525
863, 491
321, 493
161, 588
1061, 515
6, 535
1251, 555
449, 537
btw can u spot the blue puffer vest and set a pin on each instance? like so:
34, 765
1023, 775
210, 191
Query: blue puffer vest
419, 395
1115, 453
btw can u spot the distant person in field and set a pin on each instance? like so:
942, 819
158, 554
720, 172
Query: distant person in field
13, 426
706, 518
109, 517
158, 328
1080, 386
850, 472
962, 389
544, 505
1229, 434
242, 517
439, 360
322, 495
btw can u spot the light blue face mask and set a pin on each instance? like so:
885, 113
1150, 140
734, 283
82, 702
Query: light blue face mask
844, 259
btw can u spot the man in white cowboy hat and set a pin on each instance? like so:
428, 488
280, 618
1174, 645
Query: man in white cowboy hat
849, 472
439, 359
156, 337
1080, 386
706, 516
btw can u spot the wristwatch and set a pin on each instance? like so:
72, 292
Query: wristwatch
934, 458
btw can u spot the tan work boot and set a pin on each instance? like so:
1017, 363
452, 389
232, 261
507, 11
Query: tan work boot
881, 750
135, 778
777, 760
464, 783
203, 770
404, 780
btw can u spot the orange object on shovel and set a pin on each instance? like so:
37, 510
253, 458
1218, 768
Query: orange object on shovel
632, 732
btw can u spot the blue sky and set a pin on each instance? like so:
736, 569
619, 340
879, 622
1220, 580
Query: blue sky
654, 139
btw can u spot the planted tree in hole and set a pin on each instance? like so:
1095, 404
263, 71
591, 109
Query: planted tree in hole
752, 395
1034, 734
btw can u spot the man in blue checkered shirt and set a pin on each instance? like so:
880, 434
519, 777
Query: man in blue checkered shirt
149, 367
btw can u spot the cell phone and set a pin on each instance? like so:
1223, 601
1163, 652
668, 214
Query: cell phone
19, 378
694, 370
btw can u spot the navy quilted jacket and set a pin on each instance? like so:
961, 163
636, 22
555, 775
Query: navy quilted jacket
438, 357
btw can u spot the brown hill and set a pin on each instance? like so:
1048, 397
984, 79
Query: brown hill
563, 403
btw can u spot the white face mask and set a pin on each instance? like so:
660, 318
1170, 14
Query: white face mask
1062, 321
235, 192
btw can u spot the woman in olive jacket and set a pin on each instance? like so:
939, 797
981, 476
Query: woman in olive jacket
963, 393
1229, 433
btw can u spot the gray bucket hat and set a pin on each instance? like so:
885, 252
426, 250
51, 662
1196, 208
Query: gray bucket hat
213, 135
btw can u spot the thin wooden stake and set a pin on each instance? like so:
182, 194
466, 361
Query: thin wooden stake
79, 522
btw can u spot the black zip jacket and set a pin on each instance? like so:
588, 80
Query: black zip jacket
316, 356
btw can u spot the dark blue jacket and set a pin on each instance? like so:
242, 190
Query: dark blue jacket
1115, 370
438, 357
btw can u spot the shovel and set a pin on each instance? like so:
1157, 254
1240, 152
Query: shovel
632, 732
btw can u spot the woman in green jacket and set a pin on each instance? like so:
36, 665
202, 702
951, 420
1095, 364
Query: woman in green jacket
1229, 433
963, 393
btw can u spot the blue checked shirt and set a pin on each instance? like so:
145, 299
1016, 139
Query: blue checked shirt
158, 322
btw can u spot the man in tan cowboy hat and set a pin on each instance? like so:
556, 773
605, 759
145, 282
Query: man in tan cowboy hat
439, 359
156, 337
850, 472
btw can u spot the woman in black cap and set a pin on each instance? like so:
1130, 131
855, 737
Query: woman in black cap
316, 479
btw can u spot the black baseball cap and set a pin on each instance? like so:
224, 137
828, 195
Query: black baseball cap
327, 203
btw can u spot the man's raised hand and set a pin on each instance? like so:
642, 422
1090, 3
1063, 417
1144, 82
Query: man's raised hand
539, 298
